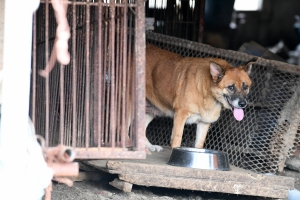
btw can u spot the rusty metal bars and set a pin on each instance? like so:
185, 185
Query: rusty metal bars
98, 82
33, 91
74, 78
140, 77
101, 81
106, 66
129, 101
124, 127
112, 57
47, 78
62, 105
87, 89
106, 73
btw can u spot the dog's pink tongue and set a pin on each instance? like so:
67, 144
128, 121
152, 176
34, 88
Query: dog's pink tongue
238, 114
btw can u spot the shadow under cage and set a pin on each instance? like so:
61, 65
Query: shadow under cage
86, 103
267, 135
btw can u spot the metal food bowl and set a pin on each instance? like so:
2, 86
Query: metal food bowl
199, 158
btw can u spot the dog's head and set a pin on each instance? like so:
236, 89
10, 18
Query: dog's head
232, 85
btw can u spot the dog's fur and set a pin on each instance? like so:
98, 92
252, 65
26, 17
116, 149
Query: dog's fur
193, 90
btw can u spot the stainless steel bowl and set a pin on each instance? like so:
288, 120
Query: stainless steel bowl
199, 158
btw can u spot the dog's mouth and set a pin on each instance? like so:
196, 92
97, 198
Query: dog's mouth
238, 113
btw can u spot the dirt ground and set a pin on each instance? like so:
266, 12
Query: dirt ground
101, 190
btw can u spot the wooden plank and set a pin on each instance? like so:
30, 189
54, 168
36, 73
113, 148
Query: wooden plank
107, 153
156, 164
121, 185
155, 172
295, 175
159, 158
236, 174
204, 185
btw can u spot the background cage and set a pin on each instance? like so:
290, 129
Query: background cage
268, 133
183, 19
85, 104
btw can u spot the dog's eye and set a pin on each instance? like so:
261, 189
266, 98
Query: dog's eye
245, 87
231, 87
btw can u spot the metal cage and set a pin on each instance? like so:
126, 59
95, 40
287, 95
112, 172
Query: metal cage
85, 104
268, 133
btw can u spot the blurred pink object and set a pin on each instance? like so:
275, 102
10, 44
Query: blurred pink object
60, 49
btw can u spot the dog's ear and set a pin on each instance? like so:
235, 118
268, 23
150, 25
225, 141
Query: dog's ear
216, 71
248, 66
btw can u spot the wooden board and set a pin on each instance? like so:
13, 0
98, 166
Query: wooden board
154, 171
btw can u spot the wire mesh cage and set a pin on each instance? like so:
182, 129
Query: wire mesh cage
269, 131
85, 104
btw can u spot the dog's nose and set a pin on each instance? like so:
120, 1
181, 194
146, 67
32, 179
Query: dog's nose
242, 104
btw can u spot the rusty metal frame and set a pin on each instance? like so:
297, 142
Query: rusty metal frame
118, 48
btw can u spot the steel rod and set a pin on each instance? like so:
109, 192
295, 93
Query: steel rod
47, 78
33, 105
125, 127
74, 76
100, 123
62, 105
112, 47
87, 89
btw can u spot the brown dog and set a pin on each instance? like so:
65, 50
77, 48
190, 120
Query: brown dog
193, 90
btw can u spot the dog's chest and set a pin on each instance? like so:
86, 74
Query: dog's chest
195, 118
206, 118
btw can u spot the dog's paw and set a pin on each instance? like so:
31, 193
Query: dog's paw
154, 148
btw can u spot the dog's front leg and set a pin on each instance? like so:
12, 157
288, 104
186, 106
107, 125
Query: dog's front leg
180, 117
202, 129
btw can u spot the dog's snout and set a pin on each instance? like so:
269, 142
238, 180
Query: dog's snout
243, 103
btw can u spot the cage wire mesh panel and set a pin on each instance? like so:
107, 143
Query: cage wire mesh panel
269, 131
86, 103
